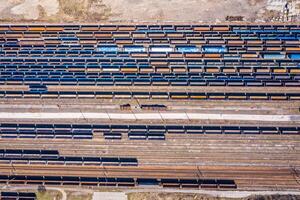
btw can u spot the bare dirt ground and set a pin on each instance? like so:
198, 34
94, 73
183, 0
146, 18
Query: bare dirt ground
123, 11
181, 196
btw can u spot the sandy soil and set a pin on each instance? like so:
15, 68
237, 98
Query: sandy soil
180, 10
181, 196
35, 6
95, 11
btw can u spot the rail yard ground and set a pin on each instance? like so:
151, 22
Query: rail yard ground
255, 162
91, 108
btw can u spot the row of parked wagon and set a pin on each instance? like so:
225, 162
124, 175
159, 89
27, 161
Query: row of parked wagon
136, 135
152, 95
283, 53
45, 131
286, 81
157, 50
100, 75
119, 182
217, 32
121, 65
115, 131
152, 51
52, 157
146, 64
18, 196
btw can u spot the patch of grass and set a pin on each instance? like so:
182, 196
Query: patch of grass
42, 12
190, 196
79, 196
169, 196
273, 197
272, 14
48, 195
83, 10
74, 8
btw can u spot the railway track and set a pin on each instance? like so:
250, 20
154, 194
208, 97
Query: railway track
219, 84
270, 156
255, 177
273, 151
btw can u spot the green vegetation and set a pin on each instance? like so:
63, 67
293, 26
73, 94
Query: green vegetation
79, 196
48, 195
187, 196
83, 10
74, 8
